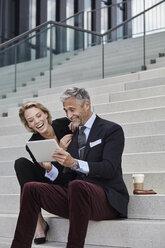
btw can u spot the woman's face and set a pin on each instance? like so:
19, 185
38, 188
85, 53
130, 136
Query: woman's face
37, 120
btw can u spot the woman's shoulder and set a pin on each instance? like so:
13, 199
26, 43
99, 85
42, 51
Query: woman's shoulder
60, 127
35, 136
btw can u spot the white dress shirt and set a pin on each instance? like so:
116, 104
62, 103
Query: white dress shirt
84, 168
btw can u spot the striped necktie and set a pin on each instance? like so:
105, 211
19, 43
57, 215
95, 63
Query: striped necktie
81, 141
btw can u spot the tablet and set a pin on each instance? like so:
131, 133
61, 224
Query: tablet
42, 150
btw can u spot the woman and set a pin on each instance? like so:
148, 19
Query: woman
37, 119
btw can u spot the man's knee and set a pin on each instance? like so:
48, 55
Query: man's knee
78, 187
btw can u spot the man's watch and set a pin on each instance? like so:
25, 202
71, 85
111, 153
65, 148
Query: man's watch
75, 165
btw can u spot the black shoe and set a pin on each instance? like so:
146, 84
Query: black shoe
42, 240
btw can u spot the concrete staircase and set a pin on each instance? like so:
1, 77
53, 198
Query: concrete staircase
137, 102
120, 57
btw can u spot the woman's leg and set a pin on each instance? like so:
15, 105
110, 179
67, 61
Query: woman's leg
27, 171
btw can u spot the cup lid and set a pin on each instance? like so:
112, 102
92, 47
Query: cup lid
137, 175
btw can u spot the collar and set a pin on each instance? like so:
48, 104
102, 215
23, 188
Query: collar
90, 121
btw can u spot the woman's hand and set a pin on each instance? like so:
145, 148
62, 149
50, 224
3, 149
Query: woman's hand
63, 158
65, 141
46, 165
73, 126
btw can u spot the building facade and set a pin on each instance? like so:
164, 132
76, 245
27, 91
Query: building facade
19, 16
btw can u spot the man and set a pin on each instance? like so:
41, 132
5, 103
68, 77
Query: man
91, 186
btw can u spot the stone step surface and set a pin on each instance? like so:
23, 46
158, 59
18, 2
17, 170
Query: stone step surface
123, 117
130, 130
7, 168
6, 242
154, 143
140, 206
135, 104
153, 180
96, 90
131, 163
139, 93
134, 116
126, 106
118, 233
143, 161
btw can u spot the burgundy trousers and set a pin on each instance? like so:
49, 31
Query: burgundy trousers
80, 202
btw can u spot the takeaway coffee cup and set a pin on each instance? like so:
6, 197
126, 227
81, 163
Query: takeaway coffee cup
138, 181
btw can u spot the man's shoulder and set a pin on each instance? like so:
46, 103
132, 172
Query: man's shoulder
106, 122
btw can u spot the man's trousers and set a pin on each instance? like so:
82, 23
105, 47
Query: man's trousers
80, 202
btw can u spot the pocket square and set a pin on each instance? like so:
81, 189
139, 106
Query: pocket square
95, 143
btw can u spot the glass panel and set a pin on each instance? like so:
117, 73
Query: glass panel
72, 63
155, 37
7, 71
76, 56
33, 62
123, 54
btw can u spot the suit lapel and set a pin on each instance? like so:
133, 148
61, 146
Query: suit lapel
93, 135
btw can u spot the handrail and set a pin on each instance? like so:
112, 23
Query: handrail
66, 19
44, 25
76, 28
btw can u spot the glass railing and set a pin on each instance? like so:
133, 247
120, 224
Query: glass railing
57, 54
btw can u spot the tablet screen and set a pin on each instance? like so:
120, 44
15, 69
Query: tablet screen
42, 150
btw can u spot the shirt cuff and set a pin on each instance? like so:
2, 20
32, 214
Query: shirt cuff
84, 168
52, 174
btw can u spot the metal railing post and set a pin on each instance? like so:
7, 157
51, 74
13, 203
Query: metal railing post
15, 74
51, 57
144, 39
102, 40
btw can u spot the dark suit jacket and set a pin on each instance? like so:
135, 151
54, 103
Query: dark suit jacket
104, 160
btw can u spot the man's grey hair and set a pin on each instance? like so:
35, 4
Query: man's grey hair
80, 94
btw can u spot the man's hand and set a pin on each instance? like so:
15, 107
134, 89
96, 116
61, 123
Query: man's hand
46, 165
63, 158
65, 141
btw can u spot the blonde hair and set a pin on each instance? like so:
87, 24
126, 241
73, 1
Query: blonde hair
28, 105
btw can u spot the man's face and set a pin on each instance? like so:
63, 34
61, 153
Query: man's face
75, 112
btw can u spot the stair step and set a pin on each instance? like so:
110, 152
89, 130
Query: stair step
135, 104
138, 93
134, 116
155, 143
117, 233
153, 180
6, 242
139, 207
144, 161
